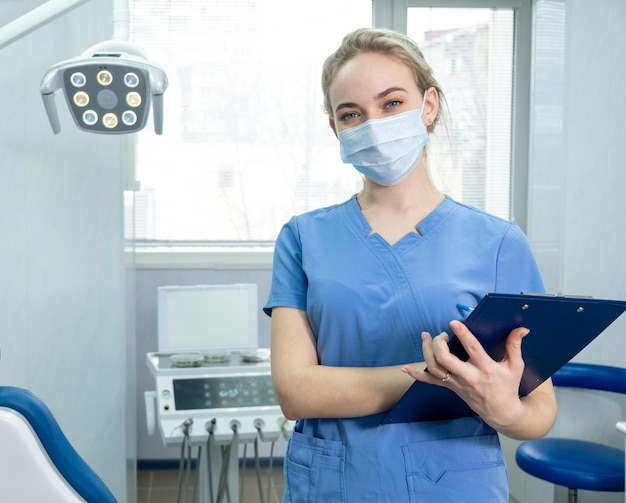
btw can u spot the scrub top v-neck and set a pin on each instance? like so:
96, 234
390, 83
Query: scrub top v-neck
367, 302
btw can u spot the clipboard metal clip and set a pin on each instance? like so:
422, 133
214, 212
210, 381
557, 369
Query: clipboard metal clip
560, 294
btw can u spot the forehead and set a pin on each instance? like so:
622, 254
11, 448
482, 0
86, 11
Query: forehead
368, 74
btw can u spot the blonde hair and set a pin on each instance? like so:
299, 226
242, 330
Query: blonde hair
382, 41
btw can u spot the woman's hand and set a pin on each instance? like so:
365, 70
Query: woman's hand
490, 388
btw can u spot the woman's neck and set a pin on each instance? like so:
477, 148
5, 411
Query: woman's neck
393, 212
415, 191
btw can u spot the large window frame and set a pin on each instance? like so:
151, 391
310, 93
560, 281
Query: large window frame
386, 14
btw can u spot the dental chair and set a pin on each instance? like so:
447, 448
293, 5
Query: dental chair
37, 462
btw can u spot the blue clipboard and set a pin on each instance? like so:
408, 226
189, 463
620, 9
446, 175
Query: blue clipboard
560, 327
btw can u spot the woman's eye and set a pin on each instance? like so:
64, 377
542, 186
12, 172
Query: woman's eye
393, 103
348, 116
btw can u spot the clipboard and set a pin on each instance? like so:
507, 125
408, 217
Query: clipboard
560, 327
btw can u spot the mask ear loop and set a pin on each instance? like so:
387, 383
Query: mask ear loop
429, 122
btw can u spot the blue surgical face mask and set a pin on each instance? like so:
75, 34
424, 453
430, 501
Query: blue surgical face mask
385, 150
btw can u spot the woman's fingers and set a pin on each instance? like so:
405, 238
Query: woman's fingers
443, 366
433, 349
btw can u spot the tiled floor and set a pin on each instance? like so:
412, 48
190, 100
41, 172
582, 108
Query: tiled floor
161, 486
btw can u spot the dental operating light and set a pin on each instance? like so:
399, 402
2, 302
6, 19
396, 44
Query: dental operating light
108, 89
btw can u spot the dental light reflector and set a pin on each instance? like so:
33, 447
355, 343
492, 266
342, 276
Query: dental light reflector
108, 89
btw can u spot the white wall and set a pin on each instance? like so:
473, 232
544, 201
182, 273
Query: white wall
577, 204
61, 247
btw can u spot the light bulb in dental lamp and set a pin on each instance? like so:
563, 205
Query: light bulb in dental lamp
108, 89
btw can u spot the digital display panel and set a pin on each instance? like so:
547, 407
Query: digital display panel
224, 392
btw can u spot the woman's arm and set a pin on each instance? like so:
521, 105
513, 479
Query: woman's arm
490, 388
307, 389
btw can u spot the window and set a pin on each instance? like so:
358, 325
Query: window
471, 52
246, 143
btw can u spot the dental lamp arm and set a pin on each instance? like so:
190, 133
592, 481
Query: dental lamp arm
36, 18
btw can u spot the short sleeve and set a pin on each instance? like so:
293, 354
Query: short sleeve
289, 282
517, 269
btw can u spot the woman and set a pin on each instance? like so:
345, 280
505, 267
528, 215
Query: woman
358, 288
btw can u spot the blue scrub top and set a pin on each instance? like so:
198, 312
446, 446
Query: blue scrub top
367, 303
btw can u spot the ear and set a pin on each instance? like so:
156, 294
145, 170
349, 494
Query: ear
431, 108
331, 123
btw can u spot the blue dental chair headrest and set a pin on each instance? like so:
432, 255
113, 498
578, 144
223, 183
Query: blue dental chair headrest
67, 461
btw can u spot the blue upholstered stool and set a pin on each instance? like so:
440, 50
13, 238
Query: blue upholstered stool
578, 464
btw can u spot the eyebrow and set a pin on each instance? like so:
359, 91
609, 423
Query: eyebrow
380, 95
389, 91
